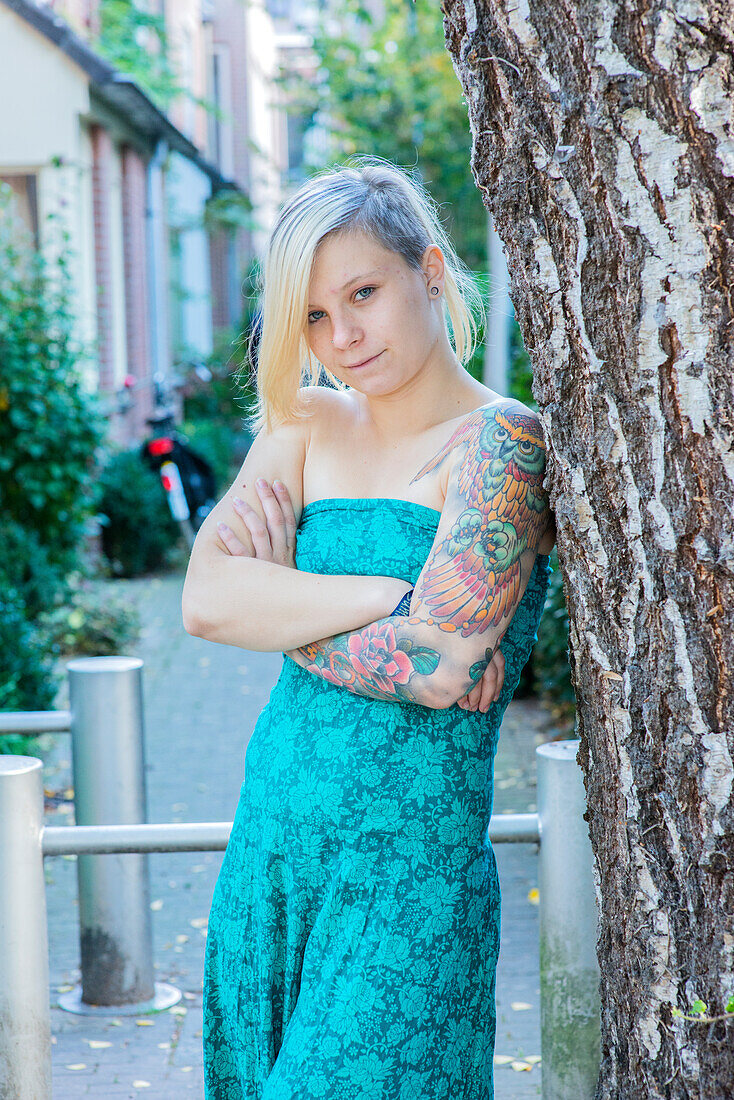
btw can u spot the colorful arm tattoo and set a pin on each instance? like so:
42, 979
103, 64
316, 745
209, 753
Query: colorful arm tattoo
496, 510
378, 661
472, 578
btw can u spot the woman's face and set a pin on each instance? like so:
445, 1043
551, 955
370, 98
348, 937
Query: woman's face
372, 320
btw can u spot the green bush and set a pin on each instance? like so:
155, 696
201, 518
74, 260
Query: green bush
218, 443
28, 678
550, 655
26, 568
137, 527
92, 623
50, 426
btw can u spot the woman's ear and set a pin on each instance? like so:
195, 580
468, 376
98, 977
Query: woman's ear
433, 267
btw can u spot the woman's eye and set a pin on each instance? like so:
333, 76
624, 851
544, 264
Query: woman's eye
314, 315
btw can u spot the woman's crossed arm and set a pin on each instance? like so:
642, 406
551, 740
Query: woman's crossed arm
495, 514
268, 605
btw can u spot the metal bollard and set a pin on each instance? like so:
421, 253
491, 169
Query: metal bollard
25, 1027
569, 972
116, 937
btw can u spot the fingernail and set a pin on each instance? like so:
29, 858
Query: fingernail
238, 502
262, 483
222, 527
278, 485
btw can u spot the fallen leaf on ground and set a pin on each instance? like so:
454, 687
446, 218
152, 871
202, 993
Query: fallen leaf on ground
182, 939
520, 1066
145, 1023
503, 1059
164, 1046
533, 1059
156, 905
199, 922
178, 1010
78, 1065
520, 1006
141, 1084
97, 1044
534, 896
64, 988
186, 1069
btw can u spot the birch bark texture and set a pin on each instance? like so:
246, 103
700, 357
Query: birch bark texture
603, 144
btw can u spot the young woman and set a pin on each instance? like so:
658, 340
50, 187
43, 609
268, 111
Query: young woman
386, 533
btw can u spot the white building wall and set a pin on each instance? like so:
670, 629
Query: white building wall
42, 134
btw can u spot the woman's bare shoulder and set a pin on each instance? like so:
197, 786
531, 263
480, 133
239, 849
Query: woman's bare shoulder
325, 405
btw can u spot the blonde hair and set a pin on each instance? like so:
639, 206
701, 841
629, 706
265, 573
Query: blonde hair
377, 198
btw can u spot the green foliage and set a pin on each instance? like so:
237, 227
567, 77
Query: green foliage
217, 442
229, 210
50, 430
92, 622
26, 568
387, 87
134, 41
27, 677
698, 1012
550, 655
137, 527
50, 427
521, 370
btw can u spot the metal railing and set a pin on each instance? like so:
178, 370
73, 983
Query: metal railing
106, 724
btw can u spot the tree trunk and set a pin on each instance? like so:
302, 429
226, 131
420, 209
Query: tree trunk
604, 149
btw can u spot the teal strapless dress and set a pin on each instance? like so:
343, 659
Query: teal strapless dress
354, 929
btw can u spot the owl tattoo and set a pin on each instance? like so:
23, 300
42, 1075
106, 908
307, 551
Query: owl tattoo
472, 579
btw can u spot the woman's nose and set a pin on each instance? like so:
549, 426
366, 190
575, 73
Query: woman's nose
344, 332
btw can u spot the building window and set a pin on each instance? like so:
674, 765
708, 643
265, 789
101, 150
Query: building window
25, 191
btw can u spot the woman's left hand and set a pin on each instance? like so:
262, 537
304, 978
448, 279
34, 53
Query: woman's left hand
486, 690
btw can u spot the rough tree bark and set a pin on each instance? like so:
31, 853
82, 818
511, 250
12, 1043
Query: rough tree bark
604, 148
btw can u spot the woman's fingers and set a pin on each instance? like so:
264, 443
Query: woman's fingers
231, 542
487, 689
492, 681
257, 528
289, 515
499, 660
274, 518
273, 538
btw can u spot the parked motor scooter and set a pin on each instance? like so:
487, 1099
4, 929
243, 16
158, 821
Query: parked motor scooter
187, 478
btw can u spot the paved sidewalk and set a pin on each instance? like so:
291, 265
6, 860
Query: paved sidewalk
201, 703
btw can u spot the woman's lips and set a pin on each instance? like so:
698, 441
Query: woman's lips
366, 362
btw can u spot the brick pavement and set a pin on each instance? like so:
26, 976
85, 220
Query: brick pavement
201, 703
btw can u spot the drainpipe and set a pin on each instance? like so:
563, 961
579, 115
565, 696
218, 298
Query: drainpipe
156, 247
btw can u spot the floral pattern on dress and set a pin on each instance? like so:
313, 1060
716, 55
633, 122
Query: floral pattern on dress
354, 929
